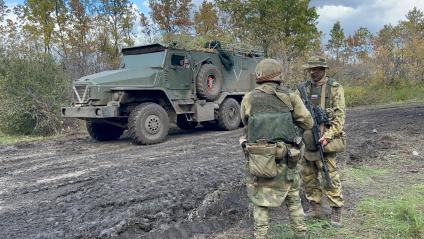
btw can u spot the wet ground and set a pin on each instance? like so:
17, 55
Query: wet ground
189, 186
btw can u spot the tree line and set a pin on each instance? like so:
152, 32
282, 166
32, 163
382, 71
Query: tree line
52, 42
393, 55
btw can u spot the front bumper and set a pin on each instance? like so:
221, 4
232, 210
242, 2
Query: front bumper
90, 112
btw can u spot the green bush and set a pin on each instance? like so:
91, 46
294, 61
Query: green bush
32, 90
380, 94
356, 95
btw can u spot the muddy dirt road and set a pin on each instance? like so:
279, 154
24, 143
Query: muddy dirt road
74, 187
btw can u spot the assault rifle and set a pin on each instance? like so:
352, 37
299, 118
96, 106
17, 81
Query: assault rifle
319, 117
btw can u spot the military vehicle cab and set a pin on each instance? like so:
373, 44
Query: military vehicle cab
157, 85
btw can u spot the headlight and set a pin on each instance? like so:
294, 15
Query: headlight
115, 96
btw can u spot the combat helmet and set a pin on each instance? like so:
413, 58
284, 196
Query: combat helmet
315, 61
268, 70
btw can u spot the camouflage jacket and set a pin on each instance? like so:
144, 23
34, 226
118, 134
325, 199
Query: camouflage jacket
335, 107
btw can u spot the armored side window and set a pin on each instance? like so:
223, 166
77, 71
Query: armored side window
177, 60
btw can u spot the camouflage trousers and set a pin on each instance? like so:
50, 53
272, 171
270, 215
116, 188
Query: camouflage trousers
313, 188
296, 214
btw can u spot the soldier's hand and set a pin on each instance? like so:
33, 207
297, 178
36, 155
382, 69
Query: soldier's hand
323, 141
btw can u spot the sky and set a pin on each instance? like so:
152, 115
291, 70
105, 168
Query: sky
352, 14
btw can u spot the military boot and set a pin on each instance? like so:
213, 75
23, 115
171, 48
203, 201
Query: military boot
315, 211
336, 217
260, 235
261, 232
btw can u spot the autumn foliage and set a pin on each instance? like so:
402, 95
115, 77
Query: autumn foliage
48, 43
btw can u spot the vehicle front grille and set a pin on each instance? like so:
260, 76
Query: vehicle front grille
81, 93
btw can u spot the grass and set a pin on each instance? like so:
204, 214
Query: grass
377, 94
365, 174
317, 229
10, 139
401, 216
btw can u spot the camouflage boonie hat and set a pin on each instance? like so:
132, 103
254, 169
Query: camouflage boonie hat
316, 61
268, 70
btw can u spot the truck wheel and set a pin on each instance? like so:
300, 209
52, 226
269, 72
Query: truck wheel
103, 131
229, 114
209, 82
148, 123
182, 123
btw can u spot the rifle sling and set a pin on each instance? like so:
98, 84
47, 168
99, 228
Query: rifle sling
323, 88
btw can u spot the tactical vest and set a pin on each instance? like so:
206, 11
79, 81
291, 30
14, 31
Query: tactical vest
270, 119
315, 93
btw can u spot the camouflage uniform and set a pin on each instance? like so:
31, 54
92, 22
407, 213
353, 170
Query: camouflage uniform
311, 165
271, 192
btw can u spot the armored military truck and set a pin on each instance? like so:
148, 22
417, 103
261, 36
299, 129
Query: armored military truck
158, 85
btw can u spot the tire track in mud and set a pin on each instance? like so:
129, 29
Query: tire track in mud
110, 188
74, 187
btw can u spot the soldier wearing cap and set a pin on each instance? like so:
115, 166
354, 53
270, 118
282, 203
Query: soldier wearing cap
271, 114
329, 95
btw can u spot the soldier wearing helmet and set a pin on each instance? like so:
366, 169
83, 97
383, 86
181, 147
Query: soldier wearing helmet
329, 95
272, 114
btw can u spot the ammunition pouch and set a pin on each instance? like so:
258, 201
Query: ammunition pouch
262, 160
282, 150
312, 156
294, 155
336, 145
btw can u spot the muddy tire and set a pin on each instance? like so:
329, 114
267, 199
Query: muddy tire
182, 123
229, 114
209, 82
103, 131
148, 123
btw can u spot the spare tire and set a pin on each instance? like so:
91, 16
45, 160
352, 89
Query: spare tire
209, 82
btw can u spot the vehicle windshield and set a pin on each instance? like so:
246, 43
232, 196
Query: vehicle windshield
147, 60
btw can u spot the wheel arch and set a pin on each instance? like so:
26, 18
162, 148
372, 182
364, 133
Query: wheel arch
235, 95
134, 97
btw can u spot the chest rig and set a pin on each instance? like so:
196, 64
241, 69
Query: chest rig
315, 93
270, 119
